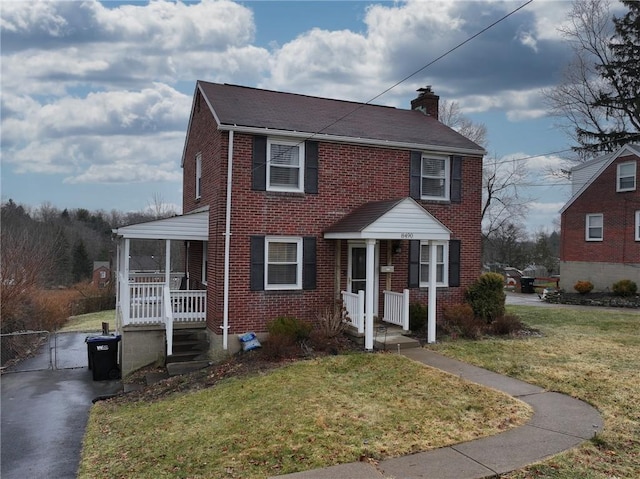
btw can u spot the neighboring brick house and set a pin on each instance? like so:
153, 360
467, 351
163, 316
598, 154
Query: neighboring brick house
600, 224
101, 274
293, 202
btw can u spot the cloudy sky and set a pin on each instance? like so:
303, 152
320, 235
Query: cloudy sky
96, 95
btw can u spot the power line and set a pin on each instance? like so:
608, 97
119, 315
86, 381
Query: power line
424, 67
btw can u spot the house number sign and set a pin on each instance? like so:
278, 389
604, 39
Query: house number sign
406, 235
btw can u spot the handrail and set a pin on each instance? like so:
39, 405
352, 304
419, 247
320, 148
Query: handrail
168, 320
354, 304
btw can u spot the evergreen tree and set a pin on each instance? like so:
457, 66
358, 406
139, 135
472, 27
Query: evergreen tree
82, 267
620, 95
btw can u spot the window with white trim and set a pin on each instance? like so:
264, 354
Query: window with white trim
103, 274
638, 225
205, 261
283, 268
594, 227
435, 178
198, 175
442, 262
626, 176
285, 165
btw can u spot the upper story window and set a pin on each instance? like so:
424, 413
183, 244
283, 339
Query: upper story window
626, 177
638, 225
441, 264
103, 274
435, 178
198, 175
284, 263
594, 227
285, 165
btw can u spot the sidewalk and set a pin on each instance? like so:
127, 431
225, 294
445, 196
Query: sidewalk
559, 423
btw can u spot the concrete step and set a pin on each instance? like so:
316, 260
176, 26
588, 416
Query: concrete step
175, 369
395, 342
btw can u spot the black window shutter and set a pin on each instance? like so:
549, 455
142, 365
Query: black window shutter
311, 167
257, 263
454, 263
414, 264
309, 263
456, 179
415, 175
259, 163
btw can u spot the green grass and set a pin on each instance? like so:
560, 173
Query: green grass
91, 322
306, 415
593, 355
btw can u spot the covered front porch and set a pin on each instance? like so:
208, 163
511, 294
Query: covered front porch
393, 222
157, 288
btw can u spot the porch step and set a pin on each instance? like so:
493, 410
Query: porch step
189, 345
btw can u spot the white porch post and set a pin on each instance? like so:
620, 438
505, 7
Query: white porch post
167, 263
368, 330
125, 299
431, 307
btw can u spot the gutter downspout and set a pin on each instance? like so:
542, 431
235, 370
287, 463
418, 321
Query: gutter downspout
227, 246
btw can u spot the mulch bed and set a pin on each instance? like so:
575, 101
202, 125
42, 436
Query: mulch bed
593, 299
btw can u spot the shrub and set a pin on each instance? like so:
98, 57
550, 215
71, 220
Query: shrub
293, 328
583, 287
459, 320
625, 287
417, 316
486, 296
280, 346
506, 324
330, 320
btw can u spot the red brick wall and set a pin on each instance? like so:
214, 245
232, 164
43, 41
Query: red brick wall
618, 209
349, 175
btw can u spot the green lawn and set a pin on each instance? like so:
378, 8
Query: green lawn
306, 415
91, 322
593, 355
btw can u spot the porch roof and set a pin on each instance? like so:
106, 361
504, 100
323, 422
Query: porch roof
397, 219
191, 226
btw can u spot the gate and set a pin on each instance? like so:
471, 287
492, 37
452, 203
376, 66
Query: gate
41, 350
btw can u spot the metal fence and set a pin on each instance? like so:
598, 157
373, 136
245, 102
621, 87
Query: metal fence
26, 351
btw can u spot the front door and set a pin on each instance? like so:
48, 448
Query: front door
357, 276
358, 269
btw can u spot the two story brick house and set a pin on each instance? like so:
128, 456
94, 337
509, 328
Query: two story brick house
303, 201
600, 224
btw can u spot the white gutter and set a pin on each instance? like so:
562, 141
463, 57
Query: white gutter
352, 140
227, 247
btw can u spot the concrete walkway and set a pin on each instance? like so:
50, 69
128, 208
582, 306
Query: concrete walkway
559, 423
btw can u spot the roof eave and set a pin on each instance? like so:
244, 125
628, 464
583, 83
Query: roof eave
352, 140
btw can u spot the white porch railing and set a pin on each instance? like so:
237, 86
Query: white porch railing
168, 320
145, 305
151, 303
354, 304
396, 308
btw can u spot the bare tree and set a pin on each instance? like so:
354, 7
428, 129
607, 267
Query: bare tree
26, 259
503, 202
450, 113
577, 100
158, 208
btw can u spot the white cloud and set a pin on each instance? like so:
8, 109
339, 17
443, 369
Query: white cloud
95, 91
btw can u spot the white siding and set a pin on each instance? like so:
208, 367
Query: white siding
186, 227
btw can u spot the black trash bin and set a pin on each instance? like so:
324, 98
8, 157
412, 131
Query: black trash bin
102, 352
526, 285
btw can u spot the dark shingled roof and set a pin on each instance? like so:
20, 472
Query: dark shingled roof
362, 216
251, 107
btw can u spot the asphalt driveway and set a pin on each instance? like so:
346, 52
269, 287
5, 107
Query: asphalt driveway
44, 413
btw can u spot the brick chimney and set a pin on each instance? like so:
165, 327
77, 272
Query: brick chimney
426, 102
